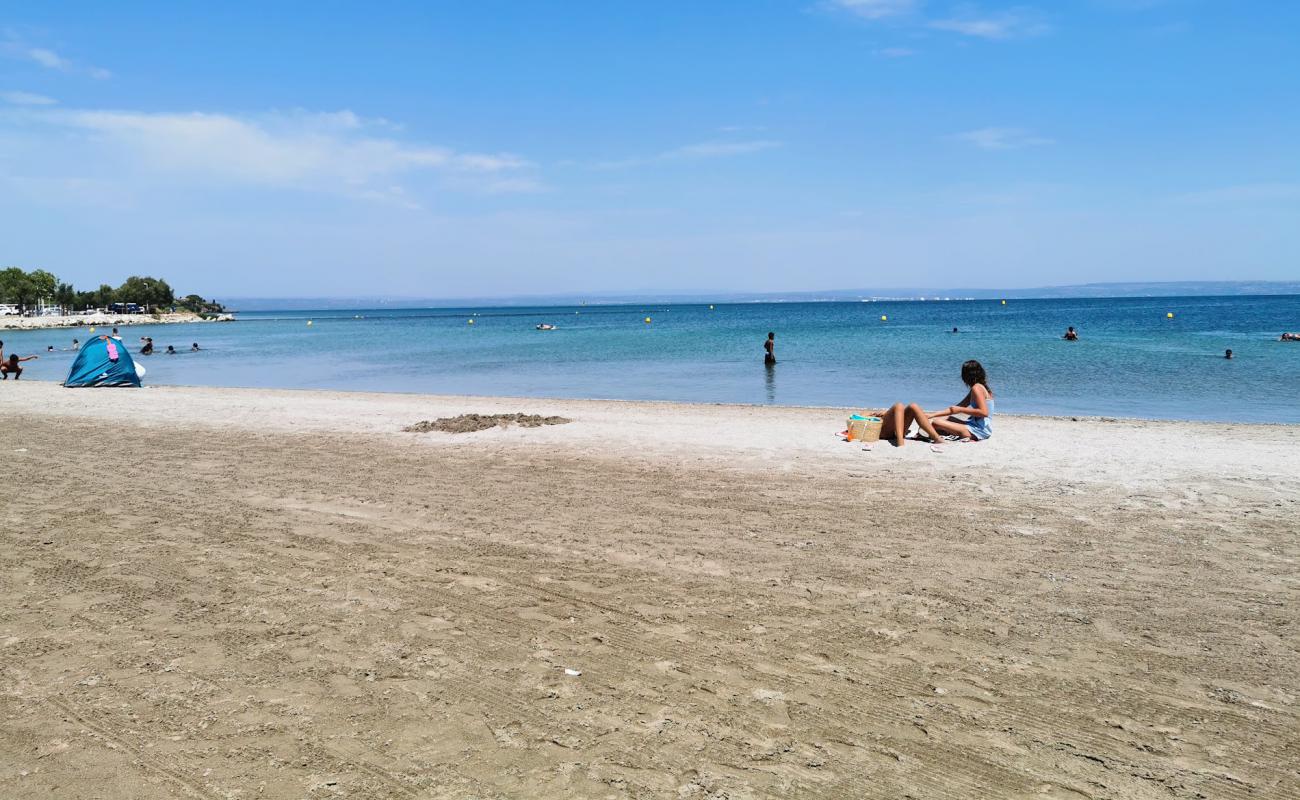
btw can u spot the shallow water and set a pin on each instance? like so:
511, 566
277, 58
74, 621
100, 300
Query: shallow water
1131, 359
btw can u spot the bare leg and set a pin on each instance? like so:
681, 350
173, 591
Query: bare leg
923, 420
892, 424
950, 425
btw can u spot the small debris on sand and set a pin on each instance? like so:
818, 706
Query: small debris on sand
468, 423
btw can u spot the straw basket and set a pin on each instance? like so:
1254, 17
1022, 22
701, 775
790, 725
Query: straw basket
865, 430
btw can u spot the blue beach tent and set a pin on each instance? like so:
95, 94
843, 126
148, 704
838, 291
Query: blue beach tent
102, 361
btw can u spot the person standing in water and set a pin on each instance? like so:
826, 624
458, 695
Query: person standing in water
1071, 335
1227, 354
769, 350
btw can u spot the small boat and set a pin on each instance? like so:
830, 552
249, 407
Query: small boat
545, 327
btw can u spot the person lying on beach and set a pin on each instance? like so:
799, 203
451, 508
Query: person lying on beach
11, 366
977, 406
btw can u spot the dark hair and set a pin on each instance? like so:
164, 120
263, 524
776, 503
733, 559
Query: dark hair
972, 372
771, 335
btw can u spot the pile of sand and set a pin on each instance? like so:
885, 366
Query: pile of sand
468, 423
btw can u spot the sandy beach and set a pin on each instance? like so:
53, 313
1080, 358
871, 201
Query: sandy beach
224, 593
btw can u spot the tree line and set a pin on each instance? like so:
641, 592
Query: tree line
27, 289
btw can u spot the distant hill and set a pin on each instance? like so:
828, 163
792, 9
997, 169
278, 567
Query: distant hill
1146, 289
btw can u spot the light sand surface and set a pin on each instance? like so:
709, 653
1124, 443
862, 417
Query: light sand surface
245, 593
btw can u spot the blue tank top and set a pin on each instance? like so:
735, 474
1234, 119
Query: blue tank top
982, 427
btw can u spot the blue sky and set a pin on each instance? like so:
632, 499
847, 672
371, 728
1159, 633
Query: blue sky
443, 149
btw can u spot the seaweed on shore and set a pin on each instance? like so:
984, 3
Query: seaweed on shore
469, 423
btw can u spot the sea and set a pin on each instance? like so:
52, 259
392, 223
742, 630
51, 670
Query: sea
1157, 358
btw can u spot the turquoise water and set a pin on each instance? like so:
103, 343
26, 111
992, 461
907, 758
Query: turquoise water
1131, 360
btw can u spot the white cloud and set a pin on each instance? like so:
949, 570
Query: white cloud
14, 47
26, 99
699, 150
1001, 138
1243, 193
329, 152
876, 9
1015, 23
46, 58
720, 149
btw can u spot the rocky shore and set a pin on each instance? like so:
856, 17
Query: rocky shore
84, 320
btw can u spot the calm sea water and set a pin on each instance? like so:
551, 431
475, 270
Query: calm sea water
1131, 360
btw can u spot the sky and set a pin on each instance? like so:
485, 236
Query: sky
497, 148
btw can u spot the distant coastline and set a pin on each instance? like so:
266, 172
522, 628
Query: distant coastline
929, 294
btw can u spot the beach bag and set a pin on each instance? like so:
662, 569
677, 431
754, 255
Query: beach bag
862, 428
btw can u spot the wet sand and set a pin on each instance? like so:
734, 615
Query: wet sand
245, 593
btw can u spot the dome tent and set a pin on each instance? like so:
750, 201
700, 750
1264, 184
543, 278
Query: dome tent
103, 361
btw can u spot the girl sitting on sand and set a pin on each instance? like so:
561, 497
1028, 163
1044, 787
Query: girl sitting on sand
977, 405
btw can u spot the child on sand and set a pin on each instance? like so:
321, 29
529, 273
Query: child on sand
11, 366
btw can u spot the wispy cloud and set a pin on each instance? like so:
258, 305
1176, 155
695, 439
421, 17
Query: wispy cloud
876, 9
699, 150
15, 47
895, 52
27, 99
336, 152
964, 19
1014, 23
1243, 193
1001, 138
720, 149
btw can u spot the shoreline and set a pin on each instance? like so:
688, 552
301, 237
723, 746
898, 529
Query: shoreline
95, 320
361, 393
1095, 450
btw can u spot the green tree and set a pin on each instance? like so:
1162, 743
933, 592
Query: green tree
146, 291
104, 296
16, 287
66, 297
43, 284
